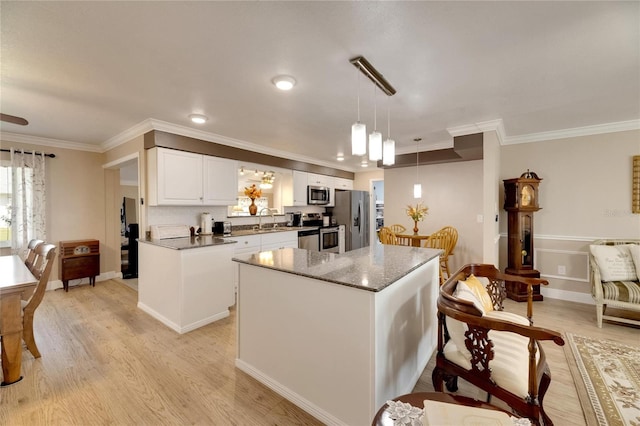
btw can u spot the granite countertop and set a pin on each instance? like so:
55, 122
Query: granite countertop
371, 268
188, 242
266, 230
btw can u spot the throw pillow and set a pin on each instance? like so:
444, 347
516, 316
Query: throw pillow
474, 285
614, 262
634, 249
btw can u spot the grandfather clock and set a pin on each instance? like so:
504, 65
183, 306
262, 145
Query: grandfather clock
520, 202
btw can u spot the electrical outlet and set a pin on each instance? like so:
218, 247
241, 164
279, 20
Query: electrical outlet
562, 270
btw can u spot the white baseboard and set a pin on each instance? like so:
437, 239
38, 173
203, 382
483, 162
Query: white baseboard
569, 296
177, 328
56, 284
288, 394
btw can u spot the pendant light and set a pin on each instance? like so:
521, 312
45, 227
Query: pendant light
417, 187
375, 137
389, 145
358, 131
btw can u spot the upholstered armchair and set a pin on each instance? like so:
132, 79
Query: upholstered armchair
497, 351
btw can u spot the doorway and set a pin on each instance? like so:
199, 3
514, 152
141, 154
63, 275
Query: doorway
377, 208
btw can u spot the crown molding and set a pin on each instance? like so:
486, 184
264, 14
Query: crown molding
620, 126
129, 134
480, 127
164, 126
55, 143
430, 147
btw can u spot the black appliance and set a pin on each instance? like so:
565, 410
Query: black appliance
222, 228
132, 252
297, 219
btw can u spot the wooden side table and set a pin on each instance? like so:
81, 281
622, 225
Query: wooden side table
417, 400
79, 259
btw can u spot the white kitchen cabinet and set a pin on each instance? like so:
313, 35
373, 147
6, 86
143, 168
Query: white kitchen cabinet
174, 177
300, 188
319, 180
186, 289
341, 183
220, 181
256, 243
181, 178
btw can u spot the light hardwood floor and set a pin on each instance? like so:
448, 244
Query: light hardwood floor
106, 362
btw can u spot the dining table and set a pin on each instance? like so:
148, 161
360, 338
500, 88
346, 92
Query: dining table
414, 239
16, 282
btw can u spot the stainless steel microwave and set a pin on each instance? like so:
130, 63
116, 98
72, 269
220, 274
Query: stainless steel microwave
317, 195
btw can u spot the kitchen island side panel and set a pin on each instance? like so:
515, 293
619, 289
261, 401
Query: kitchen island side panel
309, 340
406, 327
336, 351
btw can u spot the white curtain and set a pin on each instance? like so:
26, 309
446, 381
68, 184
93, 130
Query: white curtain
27, 199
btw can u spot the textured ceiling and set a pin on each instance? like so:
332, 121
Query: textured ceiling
84, 72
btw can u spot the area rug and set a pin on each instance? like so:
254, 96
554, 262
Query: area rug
607, 378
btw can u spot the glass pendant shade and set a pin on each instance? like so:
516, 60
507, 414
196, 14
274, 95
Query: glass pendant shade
375, 146
358, 139
389, 152
417, 190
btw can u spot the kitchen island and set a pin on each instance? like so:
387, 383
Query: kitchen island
338, 334
187, 282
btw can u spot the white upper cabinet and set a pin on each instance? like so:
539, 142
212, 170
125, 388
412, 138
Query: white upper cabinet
300, 188
220, 181
341, 183
319, 180
178, 178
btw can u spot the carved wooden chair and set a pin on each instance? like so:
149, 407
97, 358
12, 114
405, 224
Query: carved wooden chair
386, 236
497, 351
446, 240
46, 254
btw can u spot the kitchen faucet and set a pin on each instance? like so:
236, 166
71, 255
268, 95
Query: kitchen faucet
270, 211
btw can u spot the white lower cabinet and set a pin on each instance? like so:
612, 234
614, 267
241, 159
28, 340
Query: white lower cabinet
186, 289
249, 244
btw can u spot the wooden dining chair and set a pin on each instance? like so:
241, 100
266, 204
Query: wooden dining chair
397, 228
31, 252
46, 254
403, 241
387, 236
444, 239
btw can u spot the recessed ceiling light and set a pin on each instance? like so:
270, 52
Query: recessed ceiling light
340, 157
284, 82
198, 118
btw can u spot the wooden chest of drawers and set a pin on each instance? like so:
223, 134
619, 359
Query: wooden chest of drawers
79, 259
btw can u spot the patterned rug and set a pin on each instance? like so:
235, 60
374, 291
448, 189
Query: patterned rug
607, 377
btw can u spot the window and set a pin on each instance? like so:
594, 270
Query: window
6, 188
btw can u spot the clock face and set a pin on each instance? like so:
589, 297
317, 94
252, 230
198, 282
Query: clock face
527, 196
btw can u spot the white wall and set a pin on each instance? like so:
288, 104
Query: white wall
454, 194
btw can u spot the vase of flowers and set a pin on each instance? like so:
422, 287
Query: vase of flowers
253, 192
417, 214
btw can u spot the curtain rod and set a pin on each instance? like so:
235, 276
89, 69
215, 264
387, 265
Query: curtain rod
29, 152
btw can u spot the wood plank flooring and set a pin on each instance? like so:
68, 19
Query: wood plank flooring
106, 362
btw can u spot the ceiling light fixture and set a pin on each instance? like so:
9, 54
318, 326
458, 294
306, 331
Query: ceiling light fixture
198, 118
375, 137
389, 145
417, 187
358, 132
284, 82
242, 171
340, 157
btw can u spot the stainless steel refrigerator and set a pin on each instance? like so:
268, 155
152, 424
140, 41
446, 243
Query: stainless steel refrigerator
352, 210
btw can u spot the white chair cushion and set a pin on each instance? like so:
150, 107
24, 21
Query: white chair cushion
634, 249
510, 365
614, 262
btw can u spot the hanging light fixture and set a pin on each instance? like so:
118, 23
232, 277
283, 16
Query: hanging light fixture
375, 137
358, 132
417, 187
389, 145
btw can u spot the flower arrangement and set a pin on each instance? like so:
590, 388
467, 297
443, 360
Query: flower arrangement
418, 212
253, 192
